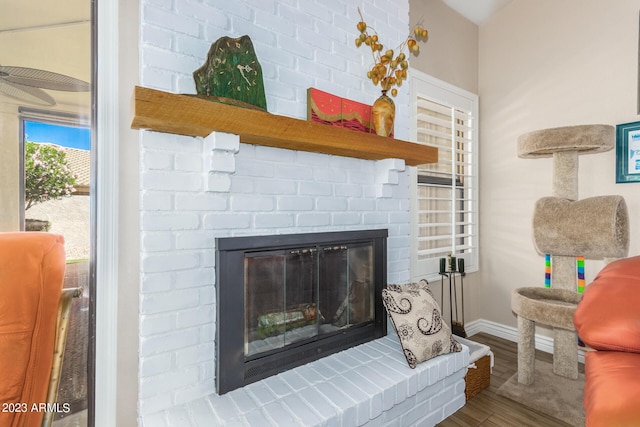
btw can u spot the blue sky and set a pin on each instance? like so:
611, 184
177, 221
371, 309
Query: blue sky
66, 136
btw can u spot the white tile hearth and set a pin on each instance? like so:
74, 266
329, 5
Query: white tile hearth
370, 384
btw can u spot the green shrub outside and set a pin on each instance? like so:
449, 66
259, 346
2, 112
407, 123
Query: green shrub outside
47, 176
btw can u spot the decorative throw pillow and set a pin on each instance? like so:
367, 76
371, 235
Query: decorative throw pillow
416, 317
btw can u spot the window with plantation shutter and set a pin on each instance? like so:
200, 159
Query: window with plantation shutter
445, 194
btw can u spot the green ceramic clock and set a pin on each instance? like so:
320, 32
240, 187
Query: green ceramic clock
232, 71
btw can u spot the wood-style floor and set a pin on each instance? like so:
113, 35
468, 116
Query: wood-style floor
489, 409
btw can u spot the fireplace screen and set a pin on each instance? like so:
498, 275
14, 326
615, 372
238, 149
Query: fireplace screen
286, 300
303, 293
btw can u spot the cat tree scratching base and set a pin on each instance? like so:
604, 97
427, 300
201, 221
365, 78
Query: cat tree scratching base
552, 307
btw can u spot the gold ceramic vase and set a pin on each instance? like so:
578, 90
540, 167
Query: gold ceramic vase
383, 113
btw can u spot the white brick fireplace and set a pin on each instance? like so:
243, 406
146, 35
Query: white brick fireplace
197, 189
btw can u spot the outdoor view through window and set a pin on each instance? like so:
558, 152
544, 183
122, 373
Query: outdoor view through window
45, 181
56, 192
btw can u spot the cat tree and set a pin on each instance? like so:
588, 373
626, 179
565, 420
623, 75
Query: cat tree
565, 227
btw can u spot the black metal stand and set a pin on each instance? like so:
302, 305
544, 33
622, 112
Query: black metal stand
457, 327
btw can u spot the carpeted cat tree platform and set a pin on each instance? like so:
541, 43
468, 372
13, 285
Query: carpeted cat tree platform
565, 227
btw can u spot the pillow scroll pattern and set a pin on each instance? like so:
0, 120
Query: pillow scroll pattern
416, 317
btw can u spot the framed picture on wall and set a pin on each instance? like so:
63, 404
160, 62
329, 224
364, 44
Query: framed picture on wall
628, 152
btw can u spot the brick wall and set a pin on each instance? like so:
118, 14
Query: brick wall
197, 189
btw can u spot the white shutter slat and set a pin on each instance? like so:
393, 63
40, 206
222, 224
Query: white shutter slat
447, 202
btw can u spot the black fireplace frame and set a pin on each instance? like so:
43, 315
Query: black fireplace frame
232, 369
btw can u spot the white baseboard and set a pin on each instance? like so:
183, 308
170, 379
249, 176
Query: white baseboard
510, 333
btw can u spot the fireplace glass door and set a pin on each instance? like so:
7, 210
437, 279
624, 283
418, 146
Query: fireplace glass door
287, 300
298, 295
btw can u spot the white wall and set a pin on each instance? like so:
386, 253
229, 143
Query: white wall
128, 221
299, 44
451, 53
544, 64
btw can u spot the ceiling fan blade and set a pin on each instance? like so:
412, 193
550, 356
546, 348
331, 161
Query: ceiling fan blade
43, 79
26, 93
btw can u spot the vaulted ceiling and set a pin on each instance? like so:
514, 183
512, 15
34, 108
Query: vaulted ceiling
477, 11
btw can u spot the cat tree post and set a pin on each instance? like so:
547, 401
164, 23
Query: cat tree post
565, 174
566, 227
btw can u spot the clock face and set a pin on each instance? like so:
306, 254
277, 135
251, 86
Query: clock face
248, 72
232, 71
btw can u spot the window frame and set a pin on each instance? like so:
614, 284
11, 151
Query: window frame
428, 87
106, 28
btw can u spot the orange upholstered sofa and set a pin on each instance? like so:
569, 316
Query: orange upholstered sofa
32, 269
608, 320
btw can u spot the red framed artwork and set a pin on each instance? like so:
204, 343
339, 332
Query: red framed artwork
329, 109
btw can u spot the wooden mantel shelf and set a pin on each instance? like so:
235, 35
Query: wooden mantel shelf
188, 115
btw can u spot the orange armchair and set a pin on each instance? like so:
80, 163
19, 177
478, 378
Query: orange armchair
32, 267
608, 320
